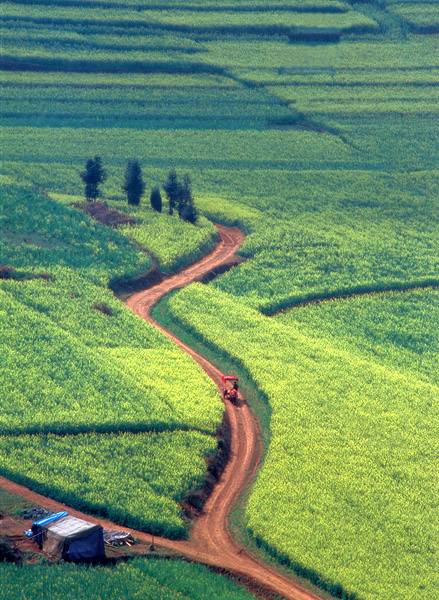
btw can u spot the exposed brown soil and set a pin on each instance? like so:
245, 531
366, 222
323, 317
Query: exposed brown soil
107, 216
223, 268
142, 282
210, 541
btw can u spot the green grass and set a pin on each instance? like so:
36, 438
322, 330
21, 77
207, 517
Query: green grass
11, 504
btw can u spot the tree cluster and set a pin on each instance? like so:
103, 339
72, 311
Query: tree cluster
178, 193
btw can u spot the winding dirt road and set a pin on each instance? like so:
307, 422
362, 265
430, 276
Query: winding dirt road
210, 541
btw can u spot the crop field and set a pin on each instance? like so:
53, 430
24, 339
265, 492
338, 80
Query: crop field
150, 579
107, 106
194, 21
422, 17
381, 235
80, 371
349, 436
326, 154
137, 479
398, 329
173, 242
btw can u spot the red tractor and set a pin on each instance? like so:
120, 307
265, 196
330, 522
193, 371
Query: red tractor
230, 387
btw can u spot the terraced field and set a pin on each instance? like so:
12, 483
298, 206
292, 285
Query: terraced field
81, 373
311, 125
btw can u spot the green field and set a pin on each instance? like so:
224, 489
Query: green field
397, 329
349, 483
76, 377
326, 154
151, 579
421, 17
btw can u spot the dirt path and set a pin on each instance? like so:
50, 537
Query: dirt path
211, 541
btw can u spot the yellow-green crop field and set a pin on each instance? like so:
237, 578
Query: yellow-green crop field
348, 489
151, 579
311, 125
84, 391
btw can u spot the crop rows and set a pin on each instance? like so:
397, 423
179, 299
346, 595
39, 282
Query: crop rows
347, 491
209, 5
350, 78
195, 21
150, 579
134, 479
260, 21
80, 371
143, 107
421, 17
290, 59
351, 100
123, 81
48, 37
195, 149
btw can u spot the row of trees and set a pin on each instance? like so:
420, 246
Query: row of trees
178, 193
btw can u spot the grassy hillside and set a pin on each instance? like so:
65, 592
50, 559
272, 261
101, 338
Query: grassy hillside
81, 373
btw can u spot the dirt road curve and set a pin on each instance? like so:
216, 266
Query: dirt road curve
210, 541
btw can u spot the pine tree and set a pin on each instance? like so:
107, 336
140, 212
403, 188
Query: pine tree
133, 184
184, 195
93, 175
171, 188
186, 206
156, 199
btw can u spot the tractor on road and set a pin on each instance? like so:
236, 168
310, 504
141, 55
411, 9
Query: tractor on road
230, 387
